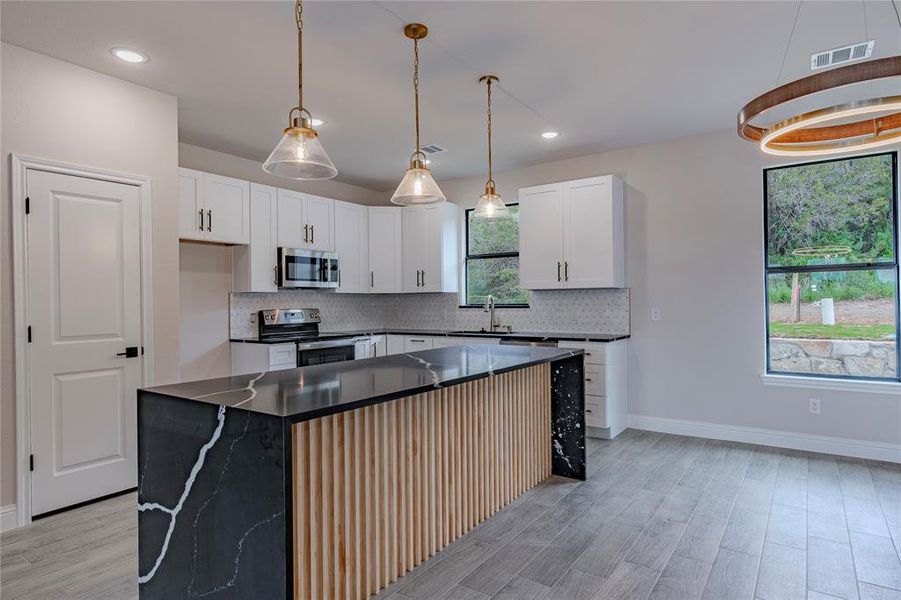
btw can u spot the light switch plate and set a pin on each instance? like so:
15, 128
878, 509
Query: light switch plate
655, 314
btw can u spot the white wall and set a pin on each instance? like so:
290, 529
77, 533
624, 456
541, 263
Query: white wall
205, 278
694, 215
52, 109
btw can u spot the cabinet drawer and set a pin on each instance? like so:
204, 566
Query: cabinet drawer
595, 353
594, 411
595, 380
412, 343
283, 354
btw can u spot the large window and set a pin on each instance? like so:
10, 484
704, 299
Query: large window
492, 260
831, 251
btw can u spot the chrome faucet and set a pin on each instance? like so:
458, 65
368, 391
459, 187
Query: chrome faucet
493, 321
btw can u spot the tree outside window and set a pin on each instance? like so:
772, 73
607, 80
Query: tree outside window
492, 260
832, 268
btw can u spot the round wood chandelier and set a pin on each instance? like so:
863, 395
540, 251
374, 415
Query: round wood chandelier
811, 134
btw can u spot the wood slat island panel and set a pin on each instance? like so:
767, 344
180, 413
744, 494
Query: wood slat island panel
378, 490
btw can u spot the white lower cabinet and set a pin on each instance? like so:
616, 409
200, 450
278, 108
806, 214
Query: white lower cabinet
394, 344
413, 343
451, 341
606, 386
256, 358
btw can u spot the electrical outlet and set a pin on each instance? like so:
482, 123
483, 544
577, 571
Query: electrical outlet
655, 314
814, 406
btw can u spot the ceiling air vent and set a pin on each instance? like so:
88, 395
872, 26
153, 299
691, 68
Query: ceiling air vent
433, 149
841, 55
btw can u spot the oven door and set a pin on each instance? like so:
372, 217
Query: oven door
299, 268
320, 353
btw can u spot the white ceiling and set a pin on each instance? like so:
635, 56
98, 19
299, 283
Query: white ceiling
604, 74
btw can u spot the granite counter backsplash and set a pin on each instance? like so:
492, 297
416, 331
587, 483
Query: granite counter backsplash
574, 311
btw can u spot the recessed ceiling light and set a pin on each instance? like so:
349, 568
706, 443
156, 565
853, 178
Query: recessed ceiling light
317, 122
549, 135
128, 55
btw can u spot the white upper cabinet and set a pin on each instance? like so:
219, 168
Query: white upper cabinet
213, 208
305, 221
571, 234
541, 237
191, 215
352, 246
255, 266
430, 248
320, 216
385, 249
593, 233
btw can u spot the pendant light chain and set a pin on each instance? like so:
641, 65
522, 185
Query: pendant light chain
298, 18
416, 88
490, 176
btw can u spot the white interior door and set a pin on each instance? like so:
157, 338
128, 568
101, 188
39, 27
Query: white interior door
541, 237
84, 309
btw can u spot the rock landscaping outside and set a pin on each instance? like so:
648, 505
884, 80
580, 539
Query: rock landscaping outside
834, 357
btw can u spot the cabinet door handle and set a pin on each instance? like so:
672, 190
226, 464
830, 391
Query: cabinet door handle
417, 341
306, 234
588, 354
417, 277
339, 277
372, 279
558, 270
209, 220
566, 270
587, 410
312, 234
423, 278
201, 219
588, 379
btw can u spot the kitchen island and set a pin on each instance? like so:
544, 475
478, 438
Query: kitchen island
334, 480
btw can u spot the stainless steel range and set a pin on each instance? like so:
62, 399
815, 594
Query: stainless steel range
301, 325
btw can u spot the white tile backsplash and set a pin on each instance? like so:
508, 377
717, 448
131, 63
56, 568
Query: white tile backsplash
564, 311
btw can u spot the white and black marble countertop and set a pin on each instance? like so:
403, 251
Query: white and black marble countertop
518, 335
310, 392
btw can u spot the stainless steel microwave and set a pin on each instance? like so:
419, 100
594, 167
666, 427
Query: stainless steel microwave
301, 268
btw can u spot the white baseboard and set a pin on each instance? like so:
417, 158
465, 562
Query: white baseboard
770, 437
8, 517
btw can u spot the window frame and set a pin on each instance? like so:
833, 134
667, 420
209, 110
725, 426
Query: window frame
467, 256
895, 266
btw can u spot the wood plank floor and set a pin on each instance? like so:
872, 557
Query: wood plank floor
660, 517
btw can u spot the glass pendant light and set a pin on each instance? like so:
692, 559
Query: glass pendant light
299, 155
490, 205
417, 187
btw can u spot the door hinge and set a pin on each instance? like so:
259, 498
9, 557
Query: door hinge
29, 334
27, 205
31, 462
